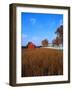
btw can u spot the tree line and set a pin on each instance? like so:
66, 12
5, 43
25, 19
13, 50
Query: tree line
56, 41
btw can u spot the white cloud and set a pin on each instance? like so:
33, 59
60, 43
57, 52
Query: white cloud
24, 36
36, 40
61, 22
33, 20
24, 39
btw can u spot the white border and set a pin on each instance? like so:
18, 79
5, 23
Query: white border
64, 77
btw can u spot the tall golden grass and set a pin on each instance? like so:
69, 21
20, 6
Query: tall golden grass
41, 62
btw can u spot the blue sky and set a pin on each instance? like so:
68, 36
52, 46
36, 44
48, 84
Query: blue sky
37, 27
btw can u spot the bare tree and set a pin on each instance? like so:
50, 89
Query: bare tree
53, 42
57, 41
59, 33
44, 42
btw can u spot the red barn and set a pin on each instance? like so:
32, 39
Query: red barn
31, 45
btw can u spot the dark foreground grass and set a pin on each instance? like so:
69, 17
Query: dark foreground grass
41, 62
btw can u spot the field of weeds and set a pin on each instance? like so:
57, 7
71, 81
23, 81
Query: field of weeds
41, 62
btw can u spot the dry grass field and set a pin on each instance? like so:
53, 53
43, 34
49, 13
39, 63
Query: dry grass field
41, 62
